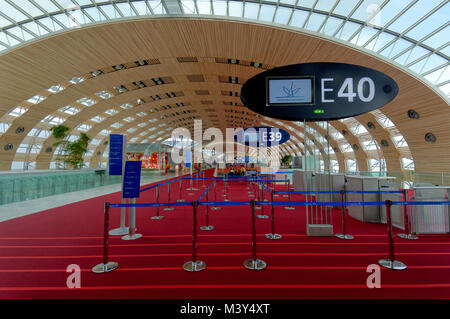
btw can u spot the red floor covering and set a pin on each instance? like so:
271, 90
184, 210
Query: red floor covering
36, 249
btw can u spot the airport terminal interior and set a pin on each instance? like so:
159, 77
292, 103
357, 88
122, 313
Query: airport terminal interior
122, 174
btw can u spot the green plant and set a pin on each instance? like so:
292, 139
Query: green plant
286, 160
73, 151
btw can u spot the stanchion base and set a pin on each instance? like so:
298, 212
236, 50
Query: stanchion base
190, 194
132, 237
180, 200
207, 227
276, 195
344, 236
215, 208
158, 217
194, 266
396, 265
408, 236
262, 216
257, 264
251, 195
226, 200
285, 195
289, 208
168, 208
119, 231
273, 236
102, 268
258, 207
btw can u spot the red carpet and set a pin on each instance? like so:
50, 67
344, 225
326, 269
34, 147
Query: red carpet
36, 249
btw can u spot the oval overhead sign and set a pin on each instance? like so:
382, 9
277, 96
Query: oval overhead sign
318, 91
262, 136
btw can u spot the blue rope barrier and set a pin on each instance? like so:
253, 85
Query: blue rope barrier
373, 192
319, 203
206, 190
282, 203
151, 204
224, 203
307, 192
421, 203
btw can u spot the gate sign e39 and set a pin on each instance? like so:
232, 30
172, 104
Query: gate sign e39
318, 91
262, 136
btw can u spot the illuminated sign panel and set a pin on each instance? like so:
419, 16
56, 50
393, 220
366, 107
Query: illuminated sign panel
318, 91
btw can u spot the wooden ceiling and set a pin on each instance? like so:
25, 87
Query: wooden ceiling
192, 57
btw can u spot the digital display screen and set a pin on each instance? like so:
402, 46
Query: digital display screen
290, 91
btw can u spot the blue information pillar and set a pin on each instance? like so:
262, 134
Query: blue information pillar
131, 186
132, 179
116, 154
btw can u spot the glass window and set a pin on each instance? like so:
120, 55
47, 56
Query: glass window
282, 15
266, 13
235, 8
315, 21
251, 10
220, 7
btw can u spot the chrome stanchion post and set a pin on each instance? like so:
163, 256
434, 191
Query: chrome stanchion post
203, 179
258, 193
215, 197
273, 234
343, 209
157, 207
290, 207
407, 234
106, 266
287, 187
168, 198
391, 263
122, 230
132, 223
180, 199
254, 263
226, 191
262, 216
194, 265
207, 226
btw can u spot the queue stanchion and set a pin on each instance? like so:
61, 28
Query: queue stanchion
254, 263
287, 187
250, 191
344, 227
157, 207
258, 193
168, 198
105, 266
194, 265
132, 223
203, 179
290, 207
274, 185
226, 191
262, 216
273, 235
180, 199
215, 197
122, 230
391, 263
207, 226
407, 234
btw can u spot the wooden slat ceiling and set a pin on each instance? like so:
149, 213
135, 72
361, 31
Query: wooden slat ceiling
192, 57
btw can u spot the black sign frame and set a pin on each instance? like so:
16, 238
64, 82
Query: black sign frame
335, 82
